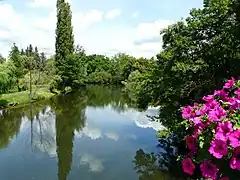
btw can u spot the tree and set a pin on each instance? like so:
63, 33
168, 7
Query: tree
198, 54
30, 50
7, 76
64, 45
30, 65
76, 70
37, 58
15, 57
2, 59
43, 60
22, 52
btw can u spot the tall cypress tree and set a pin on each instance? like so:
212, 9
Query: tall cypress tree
64, 45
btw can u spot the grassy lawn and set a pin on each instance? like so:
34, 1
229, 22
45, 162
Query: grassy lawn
17, 98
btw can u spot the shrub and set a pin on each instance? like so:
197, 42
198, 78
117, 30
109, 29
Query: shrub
214, 128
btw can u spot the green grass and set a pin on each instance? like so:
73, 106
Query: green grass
18, 98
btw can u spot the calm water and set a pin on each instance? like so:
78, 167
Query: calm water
93, 134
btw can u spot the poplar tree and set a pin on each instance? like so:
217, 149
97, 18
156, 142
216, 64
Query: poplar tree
64, 44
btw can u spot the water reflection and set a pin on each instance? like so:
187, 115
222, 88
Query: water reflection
160, 165
9, 126
91, 134
95, 164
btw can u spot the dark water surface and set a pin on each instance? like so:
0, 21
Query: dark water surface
94, 134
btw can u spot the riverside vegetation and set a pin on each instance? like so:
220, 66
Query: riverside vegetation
198, 54
27, 75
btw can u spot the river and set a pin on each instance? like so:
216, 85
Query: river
96, 133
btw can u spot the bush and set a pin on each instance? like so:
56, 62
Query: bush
214, 137
101, 77
7, 77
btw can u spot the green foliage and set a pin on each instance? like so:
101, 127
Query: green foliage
101, 77
22, 97
75, 75
38, 78
198, 54
2, 59
15, 57
64, 44
7, 76
139, 78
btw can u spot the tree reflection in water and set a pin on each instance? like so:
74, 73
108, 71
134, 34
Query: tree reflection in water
161, 165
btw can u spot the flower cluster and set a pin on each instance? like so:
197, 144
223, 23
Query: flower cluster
215, 126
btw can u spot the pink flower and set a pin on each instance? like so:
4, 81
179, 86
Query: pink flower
218, 148
234, 138
195, 104
224, 130
202, 110
235, 161
208, 98
191, 144
188, 166
221, 93
224, 178
188, 112
199, 128
229, 84
217, 114
237, 92
234, 103
209, 170
212, 104
196, 132
197, 121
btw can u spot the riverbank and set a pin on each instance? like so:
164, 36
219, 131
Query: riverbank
21, 98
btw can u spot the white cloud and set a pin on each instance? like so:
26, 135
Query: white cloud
90, 130
44, 3
141, 119
44, 132
112, 135
82, 21
94, 163
148, 30
135, 14
112, 14
39, 30
10, 19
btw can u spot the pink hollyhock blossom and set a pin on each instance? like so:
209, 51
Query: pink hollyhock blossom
208, 98
235, 161
237, 92
191, 144
218, 148
217, 114
209, 170
188, 166
234, 138
188, 112
229, 84
202, 110
224, 178
223, 130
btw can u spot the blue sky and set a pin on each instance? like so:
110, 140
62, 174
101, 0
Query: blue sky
106, 26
